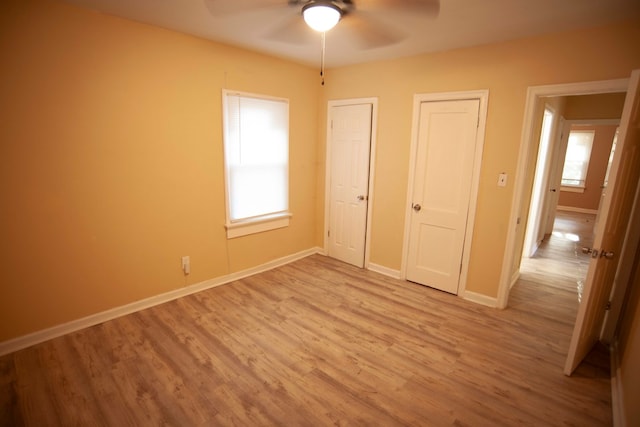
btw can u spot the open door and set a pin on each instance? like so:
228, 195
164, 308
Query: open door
555, 178
536, 222
610, 232
350, 149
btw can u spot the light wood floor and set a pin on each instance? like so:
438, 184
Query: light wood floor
315, 343
559, 260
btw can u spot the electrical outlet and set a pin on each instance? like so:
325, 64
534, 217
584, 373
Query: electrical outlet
186, 264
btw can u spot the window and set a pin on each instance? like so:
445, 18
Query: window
256, 147
576, 162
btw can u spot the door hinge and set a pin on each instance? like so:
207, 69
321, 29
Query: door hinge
608, 306
328, 233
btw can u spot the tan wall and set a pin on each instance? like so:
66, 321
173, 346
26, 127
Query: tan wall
596, 172
112, 161
592, 107
506, 69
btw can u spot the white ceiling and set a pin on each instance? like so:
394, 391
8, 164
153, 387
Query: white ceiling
460, 23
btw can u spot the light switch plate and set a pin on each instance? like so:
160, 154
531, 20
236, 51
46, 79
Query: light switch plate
502, 180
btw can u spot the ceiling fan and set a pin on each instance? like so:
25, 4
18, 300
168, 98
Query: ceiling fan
359, 20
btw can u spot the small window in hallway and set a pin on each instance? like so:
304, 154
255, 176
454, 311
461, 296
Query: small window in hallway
576, 163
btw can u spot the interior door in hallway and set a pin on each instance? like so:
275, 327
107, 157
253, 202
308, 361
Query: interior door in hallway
350, 147
611, 229
442, 182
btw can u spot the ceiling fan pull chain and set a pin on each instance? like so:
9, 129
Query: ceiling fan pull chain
322, 60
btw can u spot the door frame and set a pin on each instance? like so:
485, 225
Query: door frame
483, 97
536, 94
373, 101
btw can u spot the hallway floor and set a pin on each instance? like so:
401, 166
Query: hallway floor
559, 260
551, 284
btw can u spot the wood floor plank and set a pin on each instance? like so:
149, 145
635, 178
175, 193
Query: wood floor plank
318, 342
33, 387
10, 413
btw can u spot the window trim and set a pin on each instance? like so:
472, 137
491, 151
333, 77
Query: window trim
261, 223
257, 225
572, 188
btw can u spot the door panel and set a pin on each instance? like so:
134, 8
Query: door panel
535, 230
442, 186
611, 229
350, 150
555, 179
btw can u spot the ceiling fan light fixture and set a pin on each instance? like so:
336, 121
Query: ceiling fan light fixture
321, 16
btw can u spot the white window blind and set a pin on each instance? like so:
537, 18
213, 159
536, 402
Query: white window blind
256, 148
576, 162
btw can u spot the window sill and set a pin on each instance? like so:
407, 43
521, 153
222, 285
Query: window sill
257, 225
571, 189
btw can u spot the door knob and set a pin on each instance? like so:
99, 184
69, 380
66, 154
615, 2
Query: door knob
594, 252
417, 207
361, 197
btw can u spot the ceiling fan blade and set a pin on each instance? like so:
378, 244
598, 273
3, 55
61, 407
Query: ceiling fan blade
293, 30
224, 7
427, 7
366, 32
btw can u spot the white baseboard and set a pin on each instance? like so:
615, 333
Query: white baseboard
468, 295
384, 270
25, 341
617, 400
480, 299
580, 210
